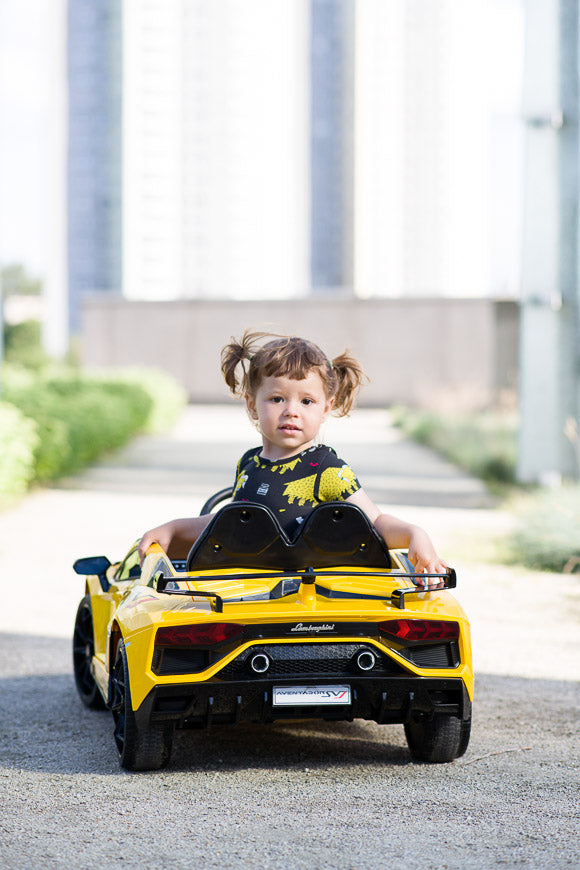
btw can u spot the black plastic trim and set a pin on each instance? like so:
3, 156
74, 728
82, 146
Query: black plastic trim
386, 700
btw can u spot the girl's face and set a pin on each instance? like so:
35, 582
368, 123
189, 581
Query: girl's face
289, 413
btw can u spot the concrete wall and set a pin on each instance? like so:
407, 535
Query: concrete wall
449, 353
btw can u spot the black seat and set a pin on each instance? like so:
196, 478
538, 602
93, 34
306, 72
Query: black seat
241, 535
338, 533
247, 535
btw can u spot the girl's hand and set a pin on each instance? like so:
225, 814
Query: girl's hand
161, 535
426, 561
185, 531
399, 534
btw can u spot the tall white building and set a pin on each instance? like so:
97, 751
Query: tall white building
33, 152
153, 43
432, 135
268, 148
215, 148
94, 167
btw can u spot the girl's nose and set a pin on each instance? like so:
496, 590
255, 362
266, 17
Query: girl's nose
291, 409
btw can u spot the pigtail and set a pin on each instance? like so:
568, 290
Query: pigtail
234, 354
349, 377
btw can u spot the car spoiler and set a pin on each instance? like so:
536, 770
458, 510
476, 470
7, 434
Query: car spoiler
308, 576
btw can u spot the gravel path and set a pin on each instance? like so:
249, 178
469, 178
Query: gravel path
300, 795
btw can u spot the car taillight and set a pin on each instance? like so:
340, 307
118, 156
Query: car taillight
420, 629
197, 635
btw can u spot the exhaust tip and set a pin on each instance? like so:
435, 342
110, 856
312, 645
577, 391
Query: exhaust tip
366, 660
260, 663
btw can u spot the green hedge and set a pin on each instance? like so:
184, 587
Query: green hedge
23, 344
547, 537
18, 442
485, 444
79, 416
168, 397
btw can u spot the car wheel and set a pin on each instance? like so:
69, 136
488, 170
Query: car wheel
83, 652
138, 748
438, 739
465, 735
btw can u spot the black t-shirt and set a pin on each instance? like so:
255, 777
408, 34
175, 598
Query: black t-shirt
292, 487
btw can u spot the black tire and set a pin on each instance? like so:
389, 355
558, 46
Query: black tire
439, 739
83, 652
465, 735
138, 748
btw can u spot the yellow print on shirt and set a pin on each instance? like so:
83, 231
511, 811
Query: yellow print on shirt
336, 484
240, 482
280, 469
301, 490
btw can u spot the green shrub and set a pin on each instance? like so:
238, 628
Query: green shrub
547, 537
23, 344
168, 397
18, 442
485, 444
75, 417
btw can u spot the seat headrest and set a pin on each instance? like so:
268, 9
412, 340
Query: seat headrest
247, 535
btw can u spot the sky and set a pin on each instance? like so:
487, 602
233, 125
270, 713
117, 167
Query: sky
32, 131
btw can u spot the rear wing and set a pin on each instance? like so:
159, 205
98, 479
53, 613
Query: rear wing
290, 582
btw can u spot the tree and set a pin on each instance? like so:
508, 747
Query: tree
17, 282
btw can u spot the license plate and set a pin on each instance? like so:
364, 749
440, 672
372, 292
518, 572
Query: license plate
300, 696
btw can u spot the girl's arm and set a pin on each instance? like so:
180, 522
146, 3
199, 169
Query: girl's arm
187, 529
401, 535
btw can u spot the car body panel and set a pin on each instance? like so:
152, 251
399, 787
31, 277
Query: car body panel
305, 619
136, 610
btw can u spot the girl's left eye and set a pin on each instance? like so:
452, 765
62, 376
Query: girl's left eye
307, 401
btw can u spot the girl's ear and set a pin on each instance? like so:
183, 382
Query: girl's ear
329, 406
251, 406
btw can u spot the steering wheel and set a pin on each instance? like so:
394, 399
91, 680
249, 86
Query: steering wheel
215, 499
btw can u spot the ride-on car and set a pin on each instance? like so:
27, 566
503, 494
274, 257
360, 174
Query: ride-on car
250, 626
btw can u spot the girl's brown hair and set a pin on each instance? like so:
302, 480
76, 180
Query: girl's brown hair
293, 357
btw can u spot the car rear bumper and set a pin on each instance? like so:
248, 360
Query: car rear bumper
383, 700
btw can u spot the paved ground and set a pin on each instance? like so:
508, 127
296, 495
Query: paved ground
302, 795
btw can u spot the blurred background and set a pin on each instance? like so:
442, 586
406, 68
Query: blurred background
395, 176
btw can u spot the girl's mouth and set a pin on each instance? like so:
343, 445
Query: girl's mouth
289, 428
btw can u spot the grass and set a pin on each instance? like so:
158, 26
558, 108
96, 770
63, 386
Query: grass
546, 536
482, 443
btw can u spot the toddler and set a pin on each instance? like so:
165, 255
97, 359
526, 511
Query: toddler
290, 387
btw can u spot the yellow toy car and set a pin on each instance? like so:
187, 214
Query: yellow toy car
251, 626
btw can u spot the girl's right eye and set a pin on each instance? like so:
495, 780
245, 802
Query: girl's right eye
277, 399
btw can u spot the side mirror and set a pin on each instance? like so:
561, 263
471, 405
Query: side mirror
92, 565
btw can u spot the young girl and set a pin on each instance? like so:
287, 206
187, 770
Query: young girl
290, 387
